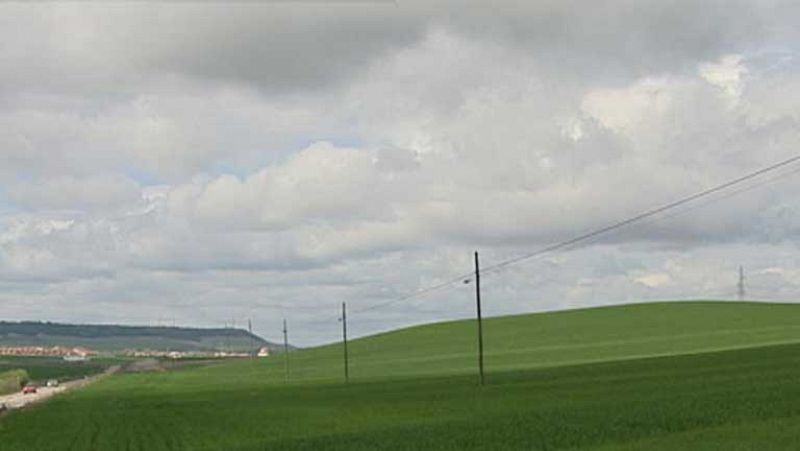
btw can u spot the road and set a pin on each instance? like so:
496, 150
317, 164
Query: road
19, 400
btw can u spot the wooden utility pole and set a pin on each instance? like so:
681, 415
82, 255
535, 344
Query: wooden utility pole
480, 317
285, 351
253, 350
344, 337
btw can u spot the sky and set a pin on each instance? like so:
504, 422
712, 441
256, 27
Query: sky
207, 163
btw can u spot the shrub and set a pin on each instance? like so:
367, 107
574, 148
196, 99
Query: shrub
12, 381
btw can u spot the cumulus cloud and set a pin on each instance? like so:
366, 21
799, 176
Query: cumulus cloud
654, 280
211, 161
727, 74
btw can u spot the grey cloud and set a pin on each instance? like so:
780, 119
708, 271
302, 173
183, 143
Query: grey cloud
305, 48
613, 39
97, 192
439, 128
56, 249
112, 86
276, 47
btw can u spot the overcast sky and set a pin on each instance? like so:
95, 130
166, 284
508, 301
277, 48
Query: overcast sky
208, 163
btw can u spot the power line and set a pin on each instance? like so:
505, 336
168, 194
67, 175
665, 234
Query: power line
727, 195
415, 294
463, 277
645, 215
690, 208
594, 233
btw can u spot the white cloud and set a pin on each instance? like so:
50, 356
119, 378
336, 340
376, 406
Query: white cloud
626, 109
654, 280
95, 192
209, 176
728, 74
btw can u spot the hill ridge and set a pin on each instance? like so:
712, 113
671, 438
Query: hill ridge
113, 337
582, 309
555, 338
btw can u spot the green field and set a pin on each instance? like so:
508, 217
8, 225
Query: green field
40, 369
552, 339
571, 380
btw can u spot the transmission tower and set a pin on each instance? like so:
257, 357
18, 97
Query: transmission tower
741, 291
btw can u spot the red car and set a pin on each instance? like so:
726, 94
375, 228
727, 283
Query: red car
28, 389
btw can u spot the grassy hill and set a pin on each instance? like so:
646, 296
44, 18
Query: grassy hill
552, 339
720, 376
113, 338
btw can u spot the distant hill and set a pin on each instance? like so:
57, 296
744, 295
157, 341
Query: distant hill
116, 338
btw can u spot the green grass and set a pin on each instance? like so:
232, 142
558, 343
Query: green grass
570, 380
727, 398
552, 339
12, 380
41, 369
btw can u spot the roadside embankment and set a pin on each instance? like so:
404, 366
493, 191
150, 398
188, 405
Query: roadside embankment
12, 381
19, 399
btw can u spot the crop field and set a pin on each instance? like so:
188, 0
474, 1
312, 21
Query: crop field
745, 399
604, 397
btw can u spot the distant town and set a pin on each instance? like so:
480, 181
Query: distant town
82, 353
45, 351
84, 341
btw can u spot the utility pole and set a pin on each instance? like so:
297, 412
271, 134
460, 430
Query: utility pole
227, 337
285, 351
344, 337
741, 291
480, 316
252, 338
